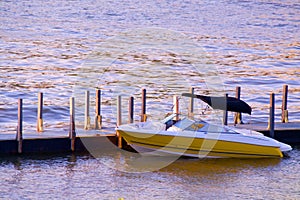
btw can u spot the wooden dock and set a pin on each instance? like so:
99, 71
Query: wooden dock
55, 142
92, 132
50, 145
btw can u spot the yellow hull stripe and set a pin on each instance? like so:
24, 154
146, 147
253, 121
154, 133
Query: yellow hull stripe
200, 146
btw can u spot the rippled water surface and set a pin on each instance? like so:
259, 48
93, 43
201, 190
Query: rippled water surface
62, 48
80, 176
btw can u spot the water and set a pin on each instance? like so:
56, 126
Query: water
80, 176
63, 48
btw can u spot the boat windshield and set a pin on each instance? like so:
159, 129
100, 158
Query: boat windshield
184, 123
187, 124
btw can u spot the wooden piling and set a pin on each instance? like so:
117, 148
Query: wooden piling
238, 115
20, 126
143, 110
284, 111
39, 125
191, 104
87, 119
176, 107
272, 115
119, 120
119, 110
98, 117
131, 110
225, 113
72, 132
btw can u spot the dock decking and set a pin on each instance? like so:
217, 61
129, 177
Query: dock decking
55, 142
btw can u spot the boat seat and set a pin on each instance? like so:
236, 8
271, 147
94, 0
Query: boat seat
168, 121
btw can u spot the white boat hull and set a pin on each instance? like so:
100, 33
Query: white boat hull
210, 141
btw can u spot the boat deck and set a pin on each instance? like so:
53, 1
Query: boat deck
284, 132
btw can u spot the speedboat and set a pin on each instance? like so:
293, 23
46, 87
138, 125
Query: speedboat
199, 138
